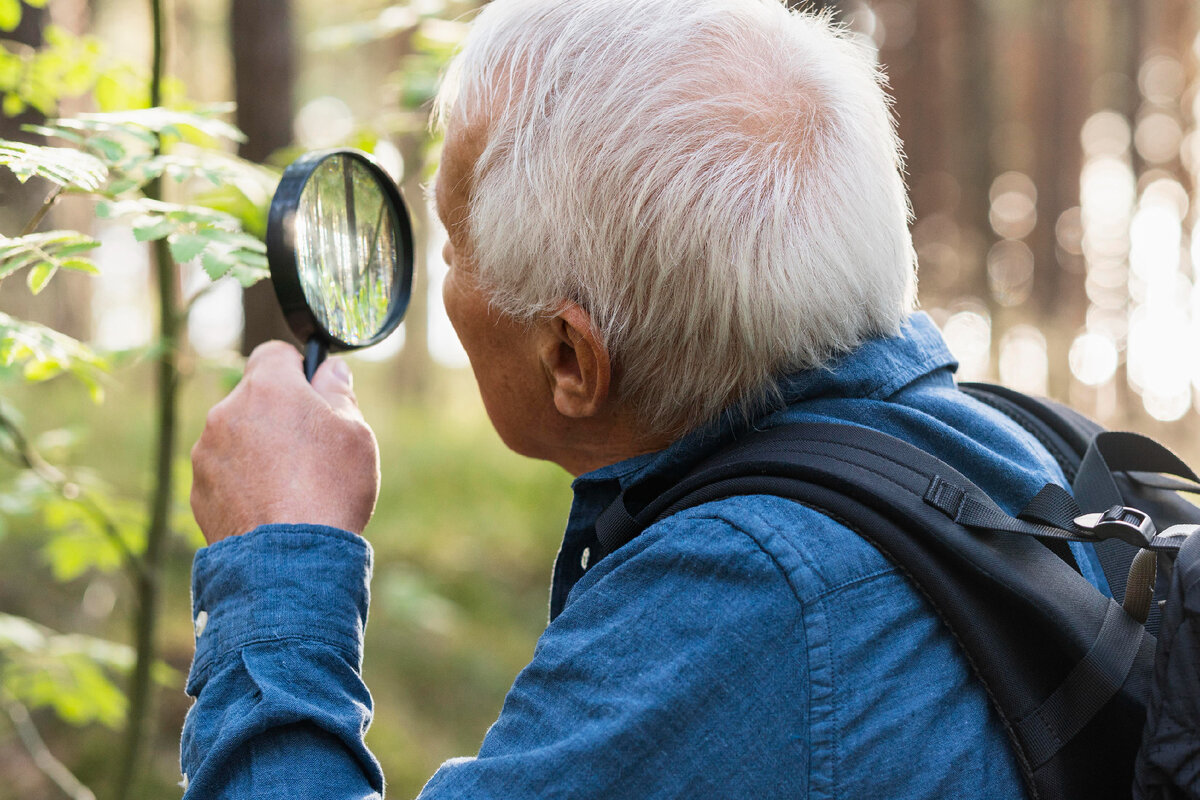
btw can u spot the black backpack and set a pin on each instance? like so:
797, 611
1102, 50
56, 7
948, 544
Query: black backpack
1069, 671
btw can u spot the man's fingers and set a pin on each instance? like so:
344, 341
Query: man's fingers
278, 358
334, 382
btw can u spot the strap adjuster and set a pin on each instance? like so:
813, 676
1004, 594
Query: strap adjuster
1120, 522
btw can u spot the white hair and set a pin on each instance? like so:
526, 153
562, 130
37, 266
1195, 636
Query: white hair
717, 182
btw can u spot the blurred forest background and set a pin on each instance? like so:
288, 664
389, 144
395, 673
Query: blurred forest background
1053, 160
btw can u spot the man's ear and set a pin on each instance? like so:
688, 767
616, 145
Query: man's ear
576, 362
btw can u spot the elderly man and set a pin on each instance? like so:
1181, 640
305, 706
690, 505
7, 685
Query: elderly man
670, 221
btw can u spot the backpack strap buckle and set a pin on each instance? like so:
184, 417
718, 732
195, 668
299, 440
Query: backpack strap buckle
1120, 522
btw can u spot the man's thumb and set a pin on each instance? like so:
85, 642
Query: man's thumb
334, 382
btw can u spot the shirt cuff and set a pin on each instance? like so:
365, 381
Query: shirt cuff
307, 582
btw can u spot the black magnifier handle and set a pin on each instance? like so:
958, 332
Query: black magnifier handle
314, 353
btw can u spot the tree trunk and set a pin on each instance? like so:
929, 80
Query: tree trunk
1058, 160
264, 75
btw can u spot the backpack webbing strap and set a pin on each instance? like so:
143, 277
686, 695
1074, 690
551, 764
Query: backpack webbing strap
1090, 685
615, 526
1117, 451
1049, 515
1068, 436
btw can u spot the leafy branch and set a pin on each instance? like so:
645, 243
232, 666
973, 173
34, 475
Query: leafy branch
215, 237
45, 253
64, 166
43, 353
68, 672
16, 447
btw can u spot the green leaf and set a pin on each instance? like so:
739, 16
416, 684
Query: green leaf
13, 104
42, 353
10, 14
108, 148
19, 260
40, 275
49, 251
55, 132
120, 87
81, 246
247, 276
165, 121
149, 228
253, 260
186, 246
68, 673
80, 265
216, 264
73, 552
122, 185
37, 371
11, 68
62, 165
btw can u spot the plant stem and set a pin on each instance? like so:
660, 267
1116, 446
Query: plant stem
50, 766
148, 586
51, 199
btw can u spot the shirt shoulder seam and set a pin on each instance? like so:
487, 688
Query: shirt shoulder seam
825, 591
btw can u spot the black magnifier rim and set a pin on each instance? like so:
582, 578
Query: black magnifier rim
285, 267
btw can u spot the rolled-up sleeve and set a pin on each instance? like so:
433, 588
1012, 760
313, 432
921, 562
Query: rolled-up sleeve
280, 706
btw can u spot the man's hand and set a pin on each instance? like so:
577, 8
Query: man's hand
279, 450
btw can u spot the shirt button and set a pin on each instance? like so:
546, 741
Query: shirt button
583, 559
201, 623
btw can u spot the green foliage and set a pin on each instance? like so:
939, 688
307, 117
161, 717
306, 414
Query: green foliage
137, 147
45, 253
77, 541
41, 353
147, 144
433, 44
195, 231
67, 672
65, 66
126, 160
10, 12
65, 166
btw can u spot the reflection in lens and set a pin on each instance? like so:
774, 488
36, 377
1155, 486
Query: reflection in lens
346, 249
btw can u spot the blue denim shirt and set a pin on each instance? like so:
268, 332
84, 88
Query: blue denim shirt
748, 648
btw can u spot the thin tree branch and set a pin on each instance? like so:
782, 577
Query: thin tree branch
45, 761
208, 289
139, 722
47, 204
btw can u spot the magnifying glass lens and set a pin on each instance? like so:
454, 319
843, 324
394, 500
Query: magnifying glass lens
346, 249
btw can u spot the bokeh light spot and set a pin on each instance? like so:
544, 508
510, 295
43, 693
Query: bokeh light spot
1093, 358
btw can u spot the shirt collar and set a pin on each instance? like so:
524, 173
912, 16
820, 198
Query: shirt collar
876, 370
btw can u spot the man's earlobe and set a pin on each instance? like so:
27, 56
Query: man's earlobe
576, 362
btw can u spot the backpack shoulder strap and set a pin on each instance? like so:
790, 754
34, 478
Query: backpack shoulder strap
1064, 432
1104, 468
1064, 667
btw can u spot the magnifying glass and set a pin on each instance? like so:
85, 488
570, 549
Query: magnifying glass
340, 249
